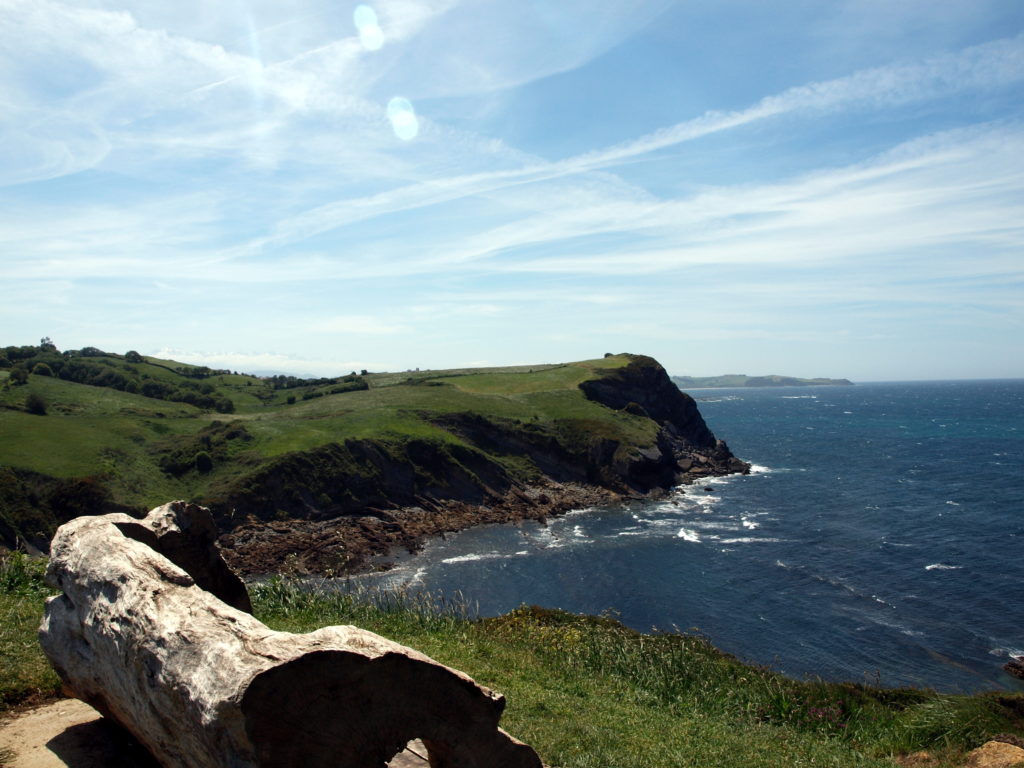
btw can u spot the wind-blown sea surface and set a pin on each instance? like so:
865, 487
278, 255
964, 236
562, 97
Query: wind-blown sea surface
880, 538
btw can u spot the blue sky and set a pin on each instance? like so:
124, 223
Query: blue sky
805, 187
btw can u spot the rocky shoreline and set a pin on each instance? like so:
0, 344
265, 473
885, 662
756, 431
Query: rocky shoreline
303, 530
350, 544
355, 544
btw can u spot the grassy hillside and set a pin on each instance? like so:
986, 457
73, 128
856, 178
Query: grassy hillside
586, 692
89, 431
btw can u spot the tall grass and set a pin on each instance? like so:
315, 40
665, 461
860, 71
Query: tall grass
637, 686
586, 691
24, 671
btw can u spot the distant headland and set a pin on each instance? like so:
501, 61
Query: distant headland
742, 380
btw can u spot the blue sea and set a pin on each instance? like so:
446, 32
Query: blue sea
879, 539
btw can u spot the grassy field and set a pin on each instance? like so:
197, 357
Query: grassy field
587, 692
138, 451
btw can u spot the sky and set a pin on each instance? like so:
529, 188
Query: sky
802, 187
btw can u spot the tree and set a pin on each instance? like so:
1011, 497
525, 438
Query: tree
35, 404
42, 369
19, 374
47, 343
133, 357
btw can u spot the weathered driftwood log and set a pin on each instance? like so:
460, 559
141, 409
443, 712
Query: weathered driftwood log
201, 683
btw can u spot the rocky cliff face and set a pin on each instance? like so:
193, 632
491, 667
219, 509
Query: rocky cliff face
686, 449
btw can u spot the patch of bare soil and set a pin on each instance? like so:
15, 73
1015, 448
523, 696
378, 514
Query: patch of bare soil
70, 734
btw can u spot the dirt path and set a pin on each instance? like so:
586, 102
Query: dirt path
70, 734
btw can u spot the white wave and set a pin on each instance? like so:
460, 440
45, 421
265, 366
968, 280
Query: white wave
799, 397
752, 540
688, 534
759, 469
1011, 652
467, 558
912, 633
782, 564
942, 567
751, 524
848, 413
953, 503
631, 533
486, 556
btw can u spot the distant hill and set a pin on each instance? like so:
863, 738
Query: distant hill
742, 380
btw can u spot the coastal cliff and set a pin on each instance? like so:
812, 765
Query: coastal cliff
338, 506
329, 476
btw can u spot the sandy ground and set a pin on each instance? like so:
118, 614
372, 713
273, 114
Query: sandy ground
71, 734
68, 734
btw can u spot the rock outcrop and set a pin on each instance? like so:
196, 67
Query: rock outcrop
1015, 666
686, 449
203, 684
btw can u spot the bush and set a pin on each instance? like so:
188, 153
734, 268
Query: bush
224, 405
203, 461
133, 357
35, 404
291, 399
42, 369
19, 375
636, 409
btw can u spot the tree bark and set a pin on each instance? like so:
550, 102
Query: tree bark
204, 684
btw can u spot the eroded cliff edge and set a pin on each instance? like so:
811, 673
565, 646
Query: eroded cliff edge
334, 508
325, 477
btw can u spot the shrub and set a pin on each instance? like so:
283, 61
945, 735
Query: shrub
42, 369
203, 461
224, 405
291, 399
133, 357
635, 409
19, 375
35, 404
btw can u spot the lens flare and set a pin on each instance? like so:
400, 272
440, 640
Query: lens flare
403, 118
370, 33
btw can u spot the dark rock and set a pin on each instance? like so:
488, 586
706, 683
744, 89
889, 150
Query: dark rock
1015, 667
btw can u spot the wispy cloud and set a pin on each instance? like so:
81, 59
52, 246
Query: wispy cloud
237, 158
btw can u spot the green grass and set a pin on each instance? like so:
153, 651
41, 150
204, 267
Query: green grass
586, 691
124, 443
24, 670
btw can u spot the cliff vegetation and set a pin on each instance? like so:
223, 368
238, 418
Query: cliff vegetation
359, 463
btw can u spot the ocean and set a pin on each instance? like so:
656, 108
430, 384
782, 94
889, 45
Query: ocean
878, 539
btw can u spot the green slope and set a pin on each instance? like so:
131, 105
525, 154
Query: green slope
295, 447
